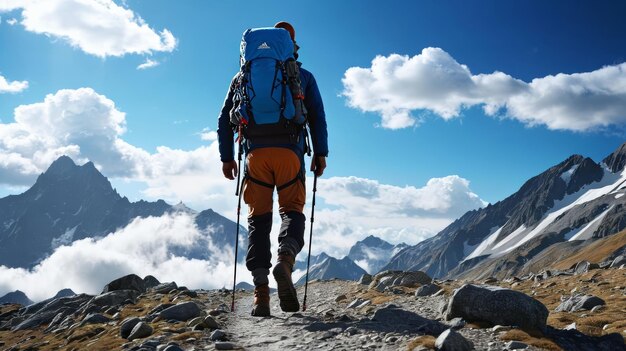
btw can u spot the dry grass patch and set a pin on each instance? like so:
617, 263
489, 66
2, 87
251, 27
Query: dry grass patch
595, 252
426, 341
186, 335
376, 297
534, 340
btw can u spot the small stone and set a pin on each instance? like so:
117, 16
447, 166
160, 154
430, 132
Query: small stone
141, 330
451, 340
364, 303
456, 323
500, 328
515, 345
224, 346
597, 308
391, 339
341, 298
173, 348
365, 279
570, 326
209, 322
218, 334
351, 330
355, 303
194, 322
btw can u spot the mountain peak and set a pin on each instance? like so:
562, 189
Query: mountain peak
61, 165
617, 160
374, 241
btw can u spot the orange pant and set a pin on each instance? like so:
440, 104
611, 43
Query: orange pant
273, 167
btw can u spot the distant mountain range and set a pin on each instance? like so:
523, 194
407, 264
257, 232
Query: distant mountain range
70, 202
372, 253
577, 201
330, 268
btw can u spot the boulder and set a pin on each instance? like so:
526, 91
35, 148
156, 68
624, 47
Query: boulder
365, 279
387, 279
114, 298
618, 261
515, 345
580, 302
141, 330
181, 312
218, 335
496, 305
164, 288
427, 290
95, 318
127, 326
451, 340
150, 281
128, 282
584, 267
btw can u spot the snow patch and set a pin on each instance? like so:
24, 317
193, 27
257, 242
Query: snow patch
619, 195
567, 175
591, 227
468, 249
64, 239
486, 244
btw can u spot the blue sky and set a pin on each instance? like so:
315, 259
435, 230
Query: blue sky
176, 101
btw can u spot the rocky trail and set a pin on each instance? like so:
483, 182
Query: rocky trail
390, 311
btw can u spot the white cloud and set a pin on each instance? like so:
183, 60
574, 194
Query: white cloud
397, 214
148, 64
397, 86
144, 247
12, 21
208, 135
12, 87
87, 126
98, 27
447, 197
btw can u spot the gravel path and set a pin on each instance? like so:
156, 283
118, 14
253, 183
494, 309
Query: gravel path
331, 325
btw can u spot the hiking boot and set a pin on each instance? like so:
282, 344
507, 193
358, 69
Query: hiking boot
261, 307
286, 291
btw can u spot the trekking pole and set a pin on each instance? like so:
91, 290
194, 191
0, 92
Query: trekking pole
308, 262
238, 192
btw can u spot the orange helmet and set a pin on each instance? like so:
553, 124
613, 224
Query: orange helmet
288, 27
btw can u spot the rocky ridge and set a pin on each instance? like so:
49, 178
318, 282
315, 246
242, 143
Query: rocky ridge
578, 310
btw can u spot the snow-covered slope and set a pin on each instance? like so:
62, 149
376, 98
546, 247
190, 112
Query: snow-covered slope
577, 199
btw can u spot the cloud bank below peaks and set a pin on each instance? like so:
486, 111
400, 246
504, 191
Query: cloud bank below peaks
396, 86
98, 27
145, 246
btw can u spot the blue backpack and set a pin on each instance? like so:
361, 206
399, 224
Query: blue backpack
268, 103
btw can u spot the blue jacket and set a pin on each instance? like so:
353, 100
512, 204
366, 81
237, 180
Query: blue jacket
316, 119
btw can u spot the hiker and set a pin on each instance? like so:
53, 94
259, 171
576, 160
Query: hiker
273, 159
